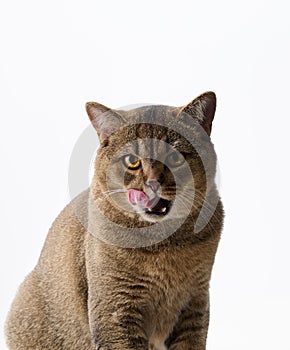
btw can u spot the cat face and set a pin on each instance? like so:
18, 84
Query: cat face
155, 161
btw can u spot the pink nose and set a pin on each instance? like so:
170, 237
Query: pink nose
153, 184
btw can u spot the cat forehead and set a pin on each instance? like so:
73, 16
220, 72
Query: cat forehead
153, 147
159, 121
160, 124
151, 113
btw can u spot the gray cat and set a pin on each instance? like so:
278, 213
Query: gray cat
127, 264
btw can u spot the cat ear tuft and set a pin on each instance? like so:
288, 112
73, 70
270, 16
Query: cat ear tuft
103, 119
203, 109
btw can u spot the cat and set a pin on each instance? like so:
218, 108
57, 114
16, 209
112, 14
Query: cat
127, 264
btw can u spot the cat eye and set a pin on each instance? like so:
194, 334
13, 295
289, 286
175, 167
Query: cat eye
175, 159
132, 162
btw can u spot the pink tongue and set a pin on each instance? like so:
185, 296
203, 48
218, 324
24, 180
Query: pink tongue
141, 198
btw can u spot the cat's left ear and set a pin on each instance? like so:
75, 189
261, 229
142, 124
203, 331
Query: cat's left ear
104, 120
203, 109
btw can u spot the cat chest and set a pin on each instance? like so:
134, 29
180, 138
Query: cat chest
166, 295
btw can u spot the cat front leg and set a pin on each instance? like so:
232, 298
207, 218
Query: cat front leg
190, 331
116, 325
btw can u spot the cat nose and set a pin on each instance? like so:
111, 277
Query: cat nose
153, 184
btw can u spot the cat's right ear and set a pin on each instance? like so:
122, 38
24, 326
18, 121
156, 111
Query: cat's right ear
104, 120
202, 108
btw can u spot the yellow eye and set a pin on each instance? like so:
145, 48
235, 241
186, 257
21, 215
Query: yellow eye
132, 162
174, 159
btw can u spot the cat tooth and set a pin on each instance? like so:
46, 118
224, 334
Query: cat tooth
164, 210
150, 209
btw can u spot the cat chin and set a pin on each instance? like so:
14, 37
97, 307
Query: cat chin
173, 215
151, 218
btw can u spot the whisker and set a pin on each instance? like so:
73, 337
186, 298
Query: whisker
206, 216
191, 215
204, 203
119, 190
209, 207
109, 193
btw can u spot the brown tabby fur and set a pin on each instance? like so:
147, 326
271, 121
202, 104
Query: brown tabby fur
87, 294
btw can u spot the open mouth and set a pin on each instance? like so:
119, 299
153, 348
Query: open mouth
156, 206
161, 208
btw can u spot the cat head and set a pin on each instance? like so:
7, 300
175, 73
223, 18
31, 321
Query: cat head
154, 162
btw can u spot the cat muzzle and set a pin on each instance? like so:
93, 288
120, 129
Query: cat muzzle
154, 206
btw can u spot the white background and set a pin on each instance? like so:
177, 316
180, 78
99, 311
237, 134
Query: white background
56, 55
